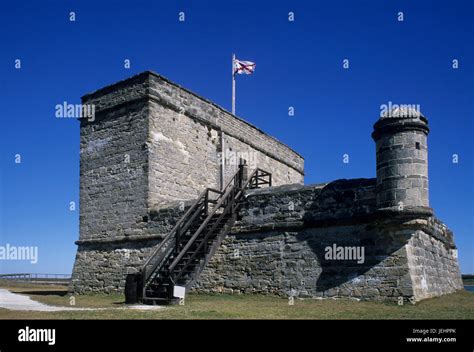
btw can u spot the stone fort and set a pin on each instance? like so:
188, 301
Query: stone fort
178, 193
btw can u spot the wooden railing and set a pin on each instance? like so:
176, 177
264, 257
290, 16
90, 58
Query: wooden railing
172, 250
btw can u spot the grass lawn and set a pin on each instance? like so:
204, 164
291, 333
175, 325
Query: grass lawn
455, 306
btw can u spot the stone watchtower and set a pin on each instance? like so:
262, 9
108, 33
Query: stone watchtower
402, 161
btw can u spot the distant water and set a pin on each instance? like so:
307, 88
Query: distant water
469, 288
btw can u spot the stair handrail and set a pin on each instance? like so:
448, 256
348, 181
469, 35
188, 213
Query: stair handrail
212, 213
214, 226
170, 235
226, 199
170, 239
199, 230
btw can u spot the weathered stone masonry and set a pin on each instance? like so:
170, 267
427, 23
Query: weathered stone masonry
155, 146
278, 247
153, 143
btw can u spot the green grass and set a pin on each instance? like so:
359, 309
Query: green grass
455, 306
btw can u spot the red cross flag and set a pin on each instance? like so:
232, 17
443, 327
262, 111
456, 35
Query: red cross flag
240, 68
243, 67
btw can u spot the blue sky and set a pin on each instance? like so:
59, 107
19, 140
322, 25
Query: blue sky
299, 64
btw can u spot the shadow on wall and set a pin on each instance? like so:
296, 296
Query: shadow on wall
350, 252
349, 244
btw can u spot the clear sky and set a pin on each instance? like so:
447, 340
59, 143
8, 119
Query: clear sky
299, 64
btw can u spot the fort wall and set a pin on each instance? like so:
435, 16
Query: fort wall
154, 146
279, 245
280, 242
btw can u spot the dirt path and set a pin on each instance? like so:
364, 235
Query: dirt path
15, 301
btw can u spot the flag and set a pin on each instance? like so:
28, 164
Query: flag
243, 67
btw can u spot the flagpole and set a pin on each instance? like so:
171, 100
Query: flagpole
233, 84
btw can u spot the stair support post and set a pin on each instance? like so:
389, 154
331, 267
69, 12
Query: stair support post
243, 172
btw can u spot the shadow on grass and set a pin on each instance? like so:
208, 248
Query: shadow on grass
120, 303
43, 293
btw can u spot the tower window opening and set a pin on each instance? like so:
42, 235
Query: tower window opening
417, 145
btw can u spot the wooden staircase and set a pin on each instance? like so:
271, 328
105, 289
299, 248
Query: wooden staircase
184, 252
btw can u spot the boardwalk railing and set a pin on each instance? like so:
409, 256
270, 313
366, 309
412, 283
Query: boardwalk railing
37, 277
